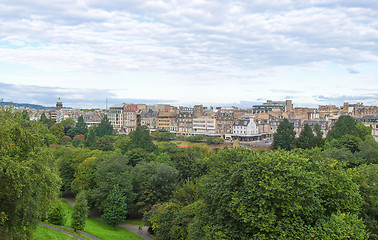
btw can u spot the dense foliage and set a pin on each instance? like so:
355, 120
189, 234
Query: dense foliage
79, 214
191, 193
28, 180
261, 195
285, 135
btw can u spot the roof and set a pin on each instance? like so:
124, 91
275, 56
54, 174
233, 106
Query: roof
59, 101
244, 122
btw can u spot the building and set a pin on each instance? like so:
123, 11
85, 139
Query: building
225, 120
115, 116
149, 118
372, 122
165, 120
205, 125
129, 118
59, 104
284, 106
185, 121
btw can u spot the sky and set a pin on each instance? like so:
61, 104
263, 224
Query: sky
218, 53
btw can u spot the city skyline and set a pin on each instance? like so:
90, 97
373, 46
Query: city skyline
199, 52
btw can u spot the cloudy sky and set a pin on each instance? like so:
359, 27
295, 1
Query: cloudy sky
189, 52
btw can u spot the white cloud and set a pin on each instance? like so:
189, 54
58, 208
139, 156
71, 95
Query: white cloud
201, 41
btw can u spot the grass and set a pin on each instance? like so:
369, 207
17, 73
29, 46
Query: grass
135, 222
100, 229
187, 143
44, 233
69, 230
104, 231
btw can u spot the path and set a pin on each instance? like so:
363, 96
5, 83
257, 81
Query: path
62, 231
130, 227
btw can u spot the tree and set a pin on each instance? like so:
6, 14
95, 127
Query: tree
367, 180
275, 195
104, 143
306, 138
67, 124
57, 129
92, 137
81, 127
29, 183
347, 125
140, 138
115, 207
56, 215
79, 214
104, 128
154, 182
285, 135
47, 121
122, 143
112, 170
319, 135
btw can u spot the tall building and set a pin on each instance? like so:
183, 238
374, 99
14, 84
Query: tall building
59, 104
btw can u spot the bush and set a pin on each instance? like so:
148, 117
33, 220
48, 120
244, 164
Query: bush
56, 215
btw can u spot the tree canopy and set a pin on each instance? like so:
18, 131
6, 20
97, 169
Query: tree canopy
28, 181
285, 135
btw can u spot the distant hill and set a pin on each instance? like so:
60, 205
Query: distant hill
25, 105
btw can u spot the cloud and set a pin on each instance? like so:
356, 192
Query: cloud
353, 70
367, 99
80, 98
187, 37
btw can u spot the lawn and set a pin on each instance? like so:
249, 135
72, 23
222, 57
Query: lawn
100, 229
135, 222
186, 143
44, 233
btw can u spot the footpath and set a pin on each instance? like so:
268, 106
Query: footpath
141, 231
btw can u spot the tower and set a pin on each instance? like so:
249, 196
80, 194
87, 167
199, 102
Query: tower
59, 104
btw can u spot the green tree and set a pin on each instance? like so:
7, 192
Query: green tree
140, 138
92, 137
341, 226
57, 215
368, 180
115, 207
104, 128
122, 143
47, 121
274, 195
68, 124
79, 214
85, 175
368, 152
136, 155
65, 140
306, 138
346, 125
285, 135
154, 182
104, 143
319, 136
29, 183
51, 139
81, 127
57, 129
112, 170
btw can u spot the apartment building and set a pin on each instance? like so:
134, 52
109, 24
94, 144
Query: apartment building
205, 125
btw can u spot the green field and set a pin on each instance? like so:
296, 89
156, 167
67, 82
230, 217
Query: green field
44, 233
186, 143
100, 229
